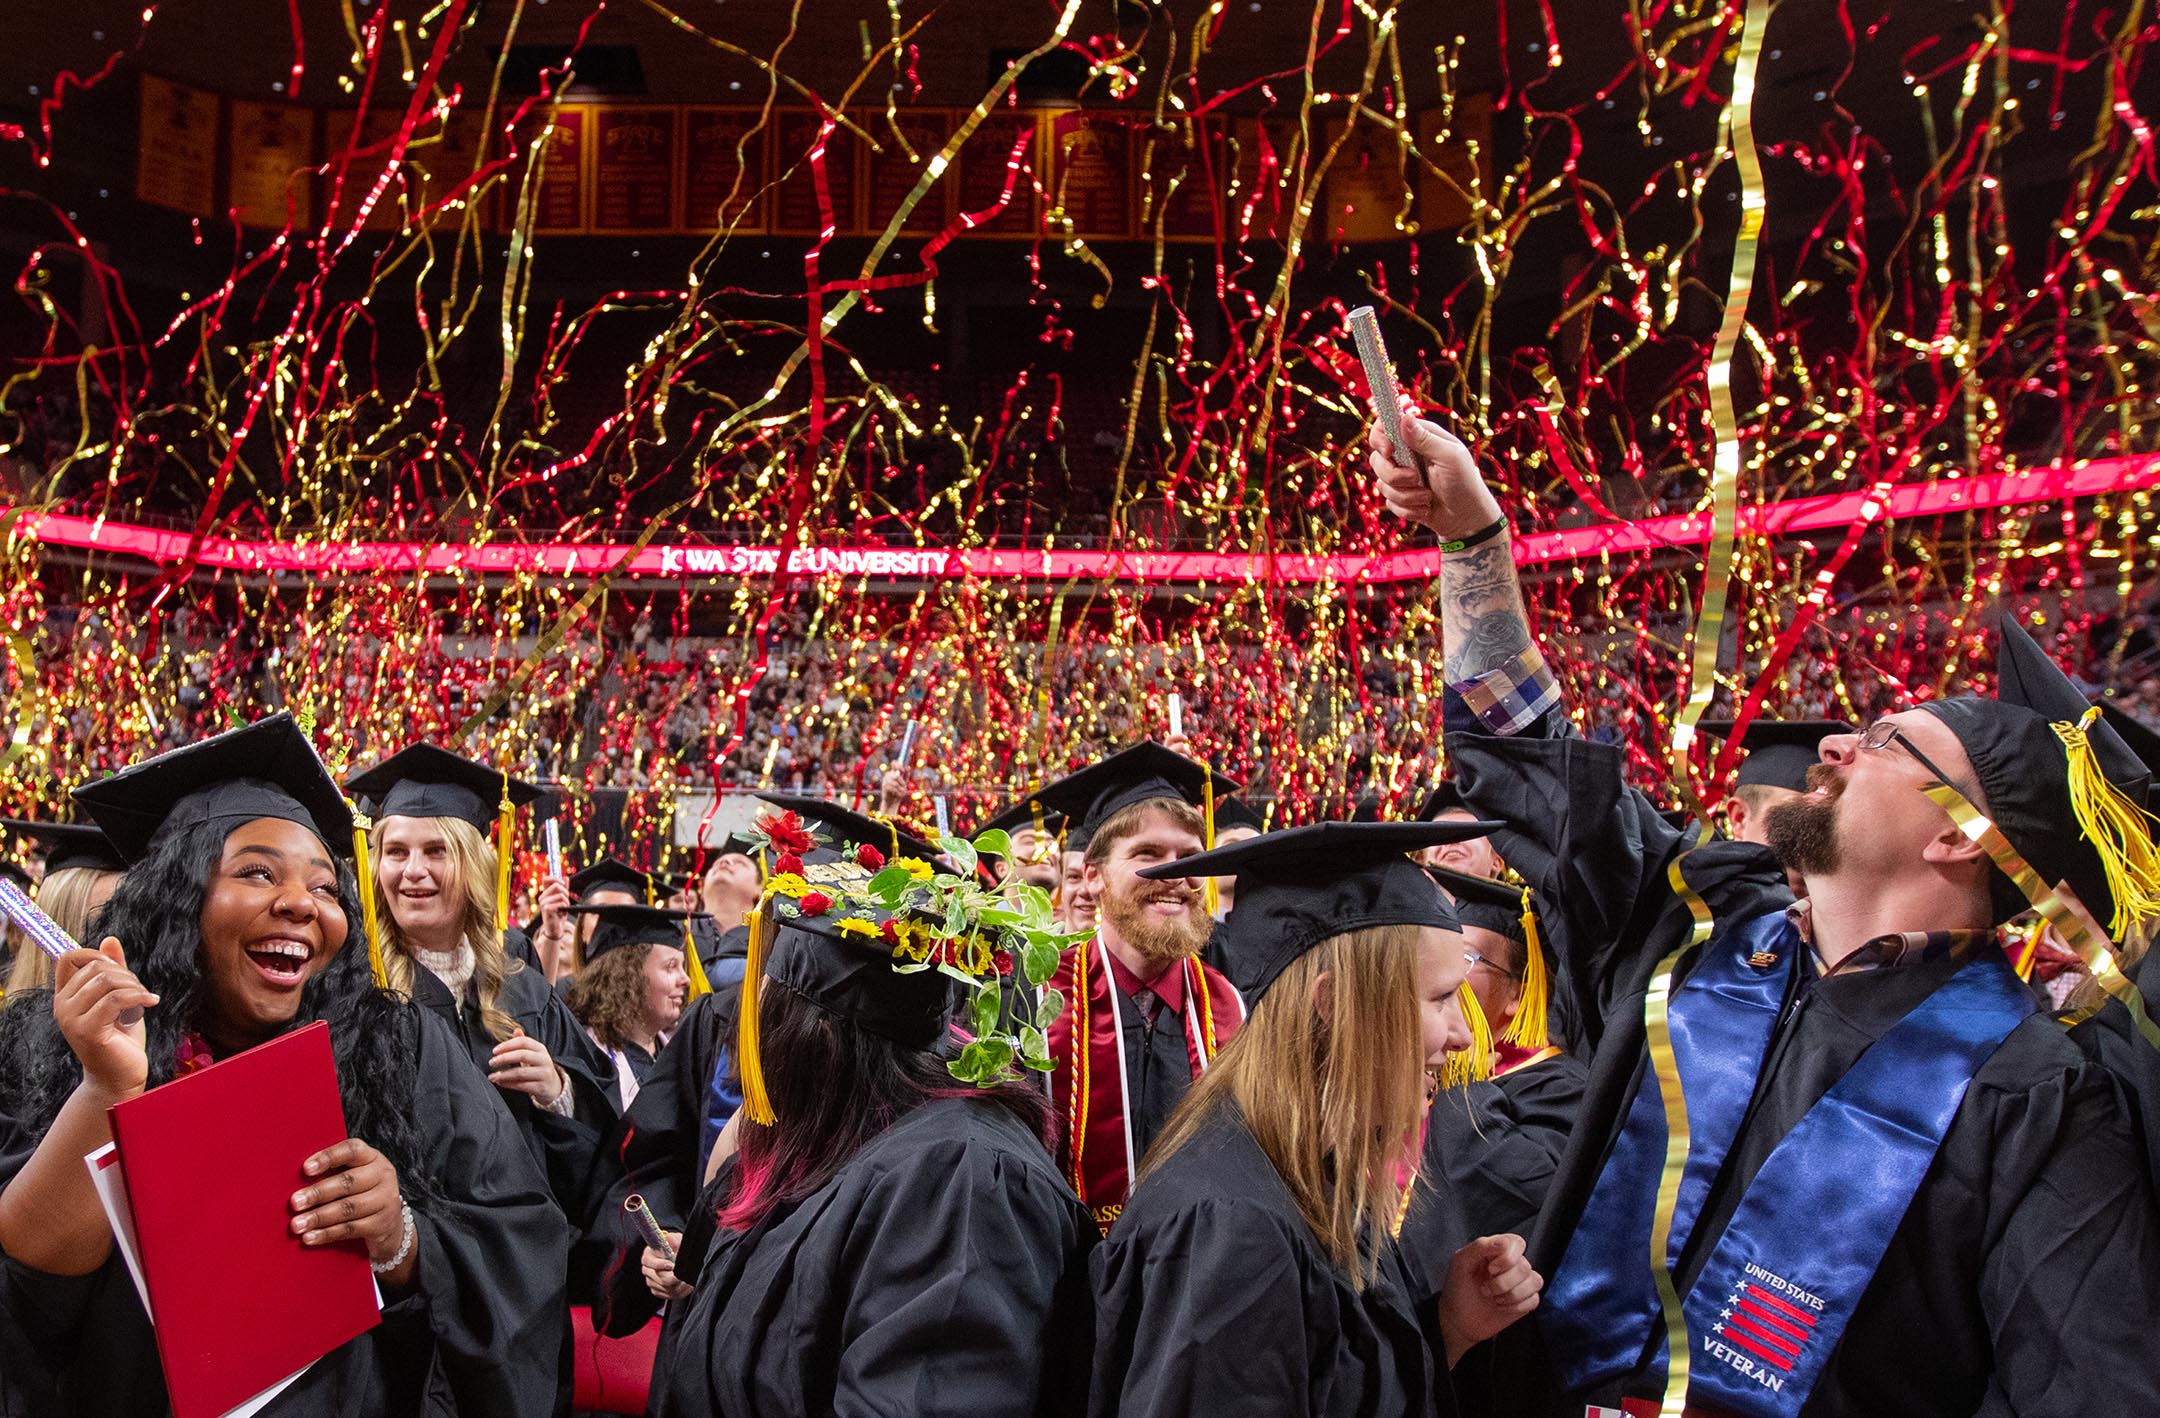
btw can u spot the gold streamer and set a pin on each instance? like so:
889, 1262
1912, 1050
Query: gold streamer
1709, 632
1657, 1032
2069, 924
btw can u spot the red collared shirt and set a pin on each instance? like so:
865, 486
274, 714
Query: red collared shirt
1169, 986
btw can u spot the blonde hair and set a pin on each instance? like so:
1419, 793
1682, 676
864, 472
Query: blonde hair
65, 896
1333, 1102
473, 881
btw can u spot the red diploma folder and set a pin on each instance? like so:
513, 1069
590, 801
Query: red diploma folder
212, 1161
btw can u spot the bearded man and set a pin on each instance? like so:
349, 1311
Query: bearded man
1143, 1014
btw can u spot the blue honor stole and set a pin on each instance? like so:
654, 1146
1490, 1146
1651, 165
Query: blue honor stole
1775, 1294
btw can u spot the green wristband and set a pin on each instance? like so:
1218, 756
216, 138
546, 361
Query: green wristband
1482, 534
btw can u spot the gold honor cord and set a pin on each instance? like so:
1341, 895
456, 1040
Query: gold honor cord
1657, 1033
2069, 924
1725, 468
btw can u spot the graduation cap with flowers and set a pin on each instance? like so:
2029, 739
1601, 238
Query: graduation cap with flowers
898, 937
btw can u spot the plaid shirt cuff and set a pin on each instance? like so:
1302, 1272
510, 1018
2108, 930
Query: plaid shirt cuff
1513, 697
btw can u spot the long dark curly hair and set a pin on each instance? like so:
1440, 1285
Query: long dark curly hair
156, 914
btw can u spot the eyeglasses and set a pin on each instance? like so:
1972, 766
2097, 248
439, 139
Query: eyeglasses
1882, 733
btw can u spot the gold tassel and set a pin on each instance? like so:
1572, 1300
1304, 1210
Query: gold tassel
1474, 1063
505, 822
1207, 839
2119, 830
692, 966
757, 1107
366, 873
1528, 1029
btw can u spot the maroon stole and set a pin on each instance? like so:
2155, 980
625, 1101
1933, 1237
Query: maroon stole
1087, 1076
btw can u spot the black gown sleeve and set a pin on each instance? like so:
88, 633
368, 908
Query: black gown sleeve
1203, 1313
2076, 1264
493, 1245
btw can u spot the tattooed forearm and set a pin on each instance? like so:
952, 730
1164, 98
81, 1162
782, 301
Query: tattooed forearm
1481, 611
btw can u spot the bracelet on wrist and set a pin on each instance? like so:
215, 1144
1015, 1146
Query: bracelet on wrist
1476, 538
406, 1237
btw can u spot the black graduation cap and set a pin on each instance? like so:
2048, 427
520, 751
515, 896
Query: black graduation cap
1232, 812
1138, 774
619, 874
426, 781
2026, 770
265, 769
1779, 751
1445, 797
1303, 885
15, 873
2141, 739
1481, 901
631, 925
852, 976
68, 845
1028, 812
845, 829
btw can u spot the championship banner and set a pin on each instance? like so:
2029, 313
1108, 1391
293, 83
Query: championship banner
1265, 157
987, 162
634, 170
795, 201
558, 143
1459, 144
1183, 183
343, 196
269, 151
911, 137
1365, 196
1091, 173
176, 157
725, 169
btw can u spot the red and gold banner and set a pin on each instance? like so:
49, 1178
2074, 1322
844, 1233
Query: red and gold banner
1091, 172
269, 151
725, 169
1182, 182
1267, 165
911, 137
559, 144
176, 159
988, 161
633, 174
344, 195
1366, 195
795, 202
1459, 144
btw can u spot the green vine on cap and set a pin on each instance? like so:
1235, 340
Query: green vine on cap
1001, 944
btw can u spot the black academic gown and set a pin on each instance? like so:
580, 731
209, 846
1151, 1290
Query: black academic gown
941, 1271
1491, 1150
2033, 1235
656, 1151
2110, 1038
1213, 1297
478, 1337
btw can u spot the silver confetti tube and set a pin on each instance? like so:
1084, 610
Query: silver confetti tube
648, 1225
1380, 381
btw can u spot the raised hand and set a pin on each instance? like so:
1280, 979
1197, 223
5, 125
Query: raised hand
1446, 492
659, 1271
92, 989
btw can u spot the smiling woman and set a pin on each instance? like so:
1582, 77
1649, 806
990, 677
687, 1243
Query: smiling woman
230, 929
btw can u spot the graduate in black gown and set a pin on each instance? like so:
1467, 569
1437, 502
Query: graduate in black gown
892, 1237
440, 883
2002, 1194
663, 1145
1254, 1268
235, 925
633, 989
1493, 1143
